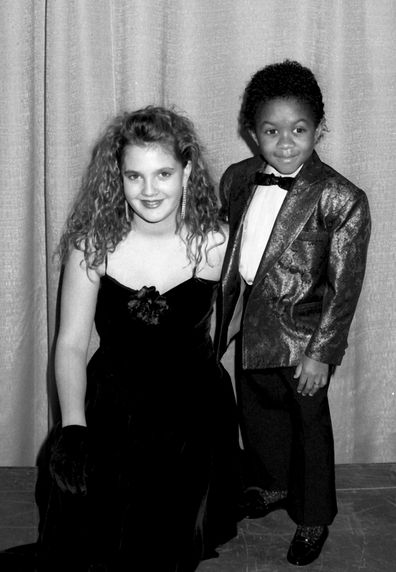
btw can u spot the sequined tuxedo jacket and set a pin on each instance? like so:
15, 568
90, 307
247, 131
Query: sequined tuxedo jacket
310, 276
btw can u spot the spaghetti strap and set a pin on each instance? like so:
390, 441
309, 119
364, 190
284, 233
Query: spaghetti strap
105, 261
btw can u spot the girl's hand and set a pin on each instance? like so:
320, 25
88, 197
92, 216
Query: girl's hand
68, 463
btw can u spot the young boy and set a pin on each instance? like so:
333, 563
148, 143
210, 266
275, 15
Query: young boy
292, 276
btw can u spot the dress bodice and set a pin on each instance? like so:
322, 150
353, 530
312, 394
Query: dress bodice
181, 316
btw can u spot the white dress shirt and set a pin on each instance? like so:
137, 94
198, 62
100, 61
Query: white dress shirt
258, 224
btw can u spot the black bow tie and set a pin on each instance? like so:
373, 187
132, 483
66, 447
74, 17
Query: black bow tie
261, 178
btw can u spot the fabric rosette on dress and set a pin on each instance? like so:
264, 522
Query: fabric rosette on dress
148, 306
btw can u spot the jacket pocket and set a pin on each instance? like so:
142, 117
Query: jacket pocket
307, 307
313, 236
306, 316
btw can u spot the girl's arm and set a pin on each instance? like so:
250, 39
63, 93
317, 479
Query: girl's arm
216, 249
78, 302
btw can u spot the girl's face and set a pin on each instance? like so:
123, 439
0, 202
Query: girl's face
286, 133
153, 182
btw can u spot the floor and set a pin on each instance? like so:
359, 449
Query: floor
363, 536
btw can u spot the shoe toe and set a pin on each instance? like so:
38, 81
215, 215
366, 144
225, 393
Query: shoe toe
253, 505
303, 551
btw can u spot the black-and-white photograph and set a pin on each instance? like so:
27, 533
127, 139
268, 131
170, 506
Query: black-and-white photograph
197, 285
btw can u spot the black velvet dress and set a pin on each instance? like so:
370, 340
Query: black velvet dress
163, 439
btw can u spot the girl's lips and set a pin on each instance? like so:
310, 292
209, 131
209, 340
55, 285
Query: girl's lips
152, 204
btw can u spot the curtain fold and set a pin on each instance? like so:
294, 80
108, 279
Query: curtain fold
23, 284
67, 66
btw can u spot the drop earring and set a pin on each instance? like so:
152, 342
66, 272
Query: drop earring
183, 204
127, 215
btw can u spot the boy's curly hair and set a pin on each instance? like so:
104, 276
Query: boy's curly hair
281, 80
98, 220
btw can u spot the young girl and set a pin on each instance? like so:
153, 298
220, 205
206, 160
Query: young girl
142, 463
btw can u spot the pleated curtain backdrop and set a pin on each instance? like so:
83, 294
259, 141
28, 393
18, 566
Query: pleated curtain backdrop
67, 66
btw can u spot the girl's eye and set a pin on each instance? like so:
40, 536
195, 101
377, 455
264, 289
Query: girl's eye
300, 129
165, 174
269, 131
133, 176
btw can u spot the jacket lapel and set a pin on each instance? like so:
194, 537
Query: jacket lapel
296, 209
231, 262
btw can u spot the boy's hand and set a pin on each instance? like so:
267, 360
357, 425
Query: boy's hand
313, 375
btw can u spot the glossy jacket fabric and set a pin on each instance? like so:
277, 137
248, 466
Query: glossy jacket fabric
310, 276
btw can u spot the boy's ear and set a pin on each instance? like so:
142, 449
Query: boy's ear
254, 136
321, 128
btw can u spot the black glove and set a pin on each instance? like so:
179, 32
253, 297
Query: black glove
69, 460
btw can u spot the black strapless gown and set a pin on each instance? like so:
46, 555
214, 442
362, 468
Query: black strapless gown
163, 432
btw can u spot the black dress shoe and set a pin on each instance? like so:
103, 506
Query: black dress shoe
307, 544
253, 504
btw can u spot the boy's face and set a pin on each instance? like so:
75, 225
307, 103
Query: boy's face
286, 133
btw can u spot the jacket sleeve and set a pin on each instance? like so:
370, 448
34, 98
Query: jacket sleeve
350, 234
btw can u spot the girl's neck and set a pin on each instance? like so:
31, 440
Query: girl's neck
163, 229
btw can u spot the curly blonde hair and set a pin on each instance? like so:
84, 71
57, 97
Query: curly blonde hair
98, 220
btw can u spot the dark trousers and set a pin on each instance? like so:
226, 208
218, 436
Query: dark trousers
288, 442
